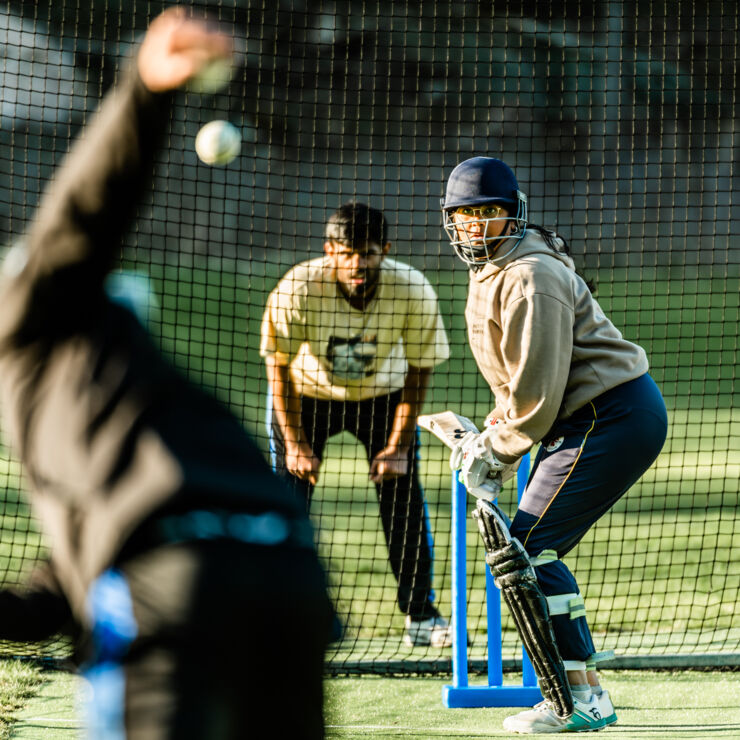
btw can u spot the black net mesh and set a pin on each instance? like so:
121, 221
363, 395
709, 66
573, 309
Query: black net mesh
620, 120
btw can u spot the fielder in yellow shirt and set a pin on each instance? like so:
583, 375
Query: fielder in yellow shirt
350, 340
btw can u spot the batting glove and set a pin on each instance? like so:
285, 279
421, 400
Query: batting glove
480, 470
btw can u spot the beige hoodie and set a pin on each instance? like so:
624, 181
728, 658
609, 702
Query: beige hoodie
542, 342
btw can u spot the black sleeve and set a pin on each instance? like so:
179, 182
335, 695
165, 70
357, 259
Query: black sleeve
36, 612
78, 229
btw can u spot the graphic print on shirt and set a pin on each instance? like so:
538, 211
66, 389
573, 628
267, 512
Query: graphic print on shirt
352, 358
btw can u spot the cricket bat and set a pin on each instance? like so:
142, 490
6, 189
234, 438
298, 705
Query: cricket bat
451, 428
447, 426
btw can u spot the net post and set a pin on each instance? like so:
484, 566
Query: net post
493, 627
459, 590
529, 677
460, 694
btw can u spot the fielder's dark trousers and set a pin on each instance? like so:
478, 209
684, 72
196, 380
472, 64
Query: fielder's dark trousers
229, 644
584, 466
401, 500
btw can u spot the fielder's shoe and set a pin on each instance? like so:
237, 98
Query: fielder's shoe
586, 717
607, 708
435, 631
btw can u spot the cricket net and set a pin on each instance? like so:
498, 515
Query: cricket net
620, 120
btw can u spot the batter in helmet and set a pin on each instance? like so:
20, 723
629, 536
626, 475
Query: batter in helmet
564, 380
482, 208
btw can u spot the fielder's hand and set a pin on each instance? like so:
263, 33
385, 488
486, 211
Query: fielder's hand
301, 462
389, 463
480, 470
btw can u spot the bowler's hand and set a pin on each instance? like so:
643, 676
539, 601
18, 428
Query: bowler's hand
176, 48
301, 462
390, 462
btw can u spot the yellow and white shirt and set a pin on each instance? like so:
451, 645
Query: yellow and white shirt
336, 352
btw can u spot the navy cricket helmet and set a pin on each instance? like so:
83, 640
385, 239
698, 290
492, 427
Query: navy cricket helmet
474, 183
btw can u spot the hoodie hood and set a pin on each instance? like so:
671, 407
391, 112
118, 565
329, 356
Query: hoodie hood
532, 243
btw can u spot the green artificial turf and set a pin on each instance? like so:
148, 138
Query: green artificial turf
656, 705
690, 705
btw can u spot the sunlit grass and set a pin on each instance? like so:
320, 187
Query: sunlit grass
19, 681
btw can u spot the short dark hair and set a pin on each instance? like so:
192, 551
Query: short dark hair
355, 224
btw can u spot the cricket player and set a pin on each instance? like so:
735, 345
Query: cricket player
563, 377
177, 555
350, 340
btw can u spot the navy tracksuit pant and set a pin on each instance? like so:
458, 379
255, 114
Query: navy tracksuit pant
403, 509
585, 465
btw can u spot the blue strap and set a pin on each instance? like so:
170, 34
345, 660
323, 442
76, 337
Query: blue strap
111, 613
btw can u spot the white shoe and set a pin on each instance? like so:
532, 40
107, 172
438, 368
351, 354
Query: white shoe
435, 631
607, 708
586, 717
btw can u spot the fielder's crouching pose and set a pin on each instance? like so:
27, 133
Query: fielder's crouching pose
562, 376
350, 341
175, 551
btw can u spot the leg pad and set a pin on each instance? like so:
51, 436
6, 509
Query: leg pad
514, 575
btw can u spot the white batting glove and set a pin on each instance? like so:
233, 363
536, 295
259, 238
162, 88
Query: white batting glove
479, 467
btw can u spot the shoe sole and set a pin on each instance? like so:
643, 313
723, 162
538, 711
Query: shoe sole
552, 730
427, 642
435, 645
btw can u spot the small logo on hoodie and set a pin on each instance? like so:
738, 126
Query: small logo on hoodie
554, 444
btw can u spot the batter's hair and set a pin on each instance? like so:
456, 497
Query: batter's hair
355, 224
557, 243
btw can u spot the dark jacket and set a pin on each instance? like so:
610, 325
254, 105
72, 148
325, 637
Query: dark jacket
109, 433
